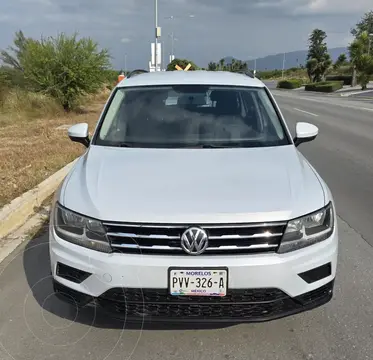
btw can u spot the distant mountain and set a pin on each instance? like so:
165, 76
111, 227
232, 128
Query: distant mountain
292, 59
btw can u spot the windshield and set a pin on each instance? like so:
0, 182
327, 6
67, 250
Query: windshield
191, 116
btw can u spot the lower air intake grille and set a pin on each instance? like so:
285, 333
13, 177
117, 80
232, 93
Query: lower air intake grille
238, 305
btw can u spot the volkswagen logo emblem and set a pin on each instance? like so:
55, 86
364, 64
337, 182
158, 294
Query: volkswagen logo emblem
194, 241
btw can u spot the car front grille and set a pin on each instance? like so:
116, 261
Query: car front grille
224, 239
238, 305
134, 295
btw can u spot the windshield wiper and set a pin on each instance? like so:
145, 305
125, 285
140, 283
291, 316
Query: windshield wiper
212, 146
125, 144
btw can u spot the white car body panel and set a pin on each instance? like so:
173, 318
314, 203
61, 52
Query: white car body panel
190, 185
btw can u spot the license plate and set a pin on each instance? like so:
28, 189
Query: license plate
198, 282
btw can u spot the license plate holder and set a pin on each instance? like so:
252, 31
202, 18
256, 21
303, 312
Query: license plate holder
198, 281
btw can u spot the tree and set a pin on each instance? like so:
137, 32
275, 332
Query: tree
364, 25
362, 61
318, 58
238, 65
212, 66
63, 67
183, 63
20, 44
222, 64
341, 61
234, 66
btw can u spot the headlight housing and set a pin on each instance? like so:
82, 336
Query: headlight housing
308, 230
80, 230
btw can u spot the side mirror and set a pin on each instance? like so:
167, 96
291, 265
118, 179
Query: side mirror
79, 133
305, 132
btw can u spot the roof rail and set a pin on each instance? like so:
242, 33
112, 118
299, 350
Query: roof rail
247, 73
136, 72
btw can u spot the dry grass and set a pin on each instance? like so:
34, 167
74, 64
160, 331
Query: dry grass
300, 74
20, 105
31, 148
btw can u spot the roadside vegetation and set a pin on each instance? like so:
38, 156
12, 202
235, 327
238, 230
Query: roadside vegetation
290, 84
183, 63
50, 83
45, 86
319, 73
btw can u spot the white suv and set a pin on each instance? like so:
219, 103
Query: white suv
192, 203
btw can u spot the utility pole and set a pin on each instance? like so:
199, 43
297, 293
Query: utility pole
125, 64
163, 62
172, 44
283, 65
172, 34
157, 35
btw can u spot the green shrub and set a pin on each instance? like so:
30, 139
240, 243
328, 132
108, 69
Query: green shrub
182, 63
325, 86
290, 84
64, 68
342, 70
347, 79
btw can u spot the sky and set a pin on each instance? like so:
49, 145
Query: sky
205, 30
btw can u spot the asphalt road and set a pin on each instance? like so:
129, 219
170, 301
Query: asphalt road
367, 93
34, 325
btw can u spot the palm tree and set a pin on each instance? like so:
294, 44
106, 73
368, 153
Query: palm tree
222, 64
361, 60
318, 58
212, 66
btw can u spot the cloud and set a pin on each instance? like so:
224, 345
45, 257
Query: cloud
290, 7
125, 40
240, 28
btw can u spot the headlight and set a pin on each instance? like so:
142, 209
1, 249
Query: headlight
80, 230
308, 230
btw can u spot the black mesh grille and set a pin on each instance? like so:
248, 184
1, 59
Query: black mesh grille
162, 296
202, 311
238, 305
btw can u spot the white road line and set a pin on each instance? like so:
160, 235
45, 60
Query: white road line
306, 112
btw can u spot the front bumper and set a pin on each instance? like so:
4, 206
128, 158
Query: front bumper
156, 305
261, 286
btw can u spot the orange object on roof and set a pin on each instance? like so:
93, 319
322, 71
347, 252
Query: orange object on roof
121, 77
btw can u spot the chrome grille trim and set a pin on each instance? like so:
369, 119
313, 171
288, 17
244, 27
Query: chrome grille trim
166, 247
166, 237
205, 226
224, 239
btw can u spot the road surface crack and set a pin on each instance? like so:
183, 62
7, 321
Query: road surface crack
358, 232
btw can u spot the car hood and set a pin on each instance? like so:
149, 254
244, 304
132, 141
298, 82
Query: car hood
192, 185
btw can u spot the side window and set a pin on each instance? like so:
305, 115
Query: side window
268, 110
112, 114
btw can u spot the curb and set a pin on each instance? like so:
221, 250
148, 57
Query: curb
15, 214
21, 235
355, 92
